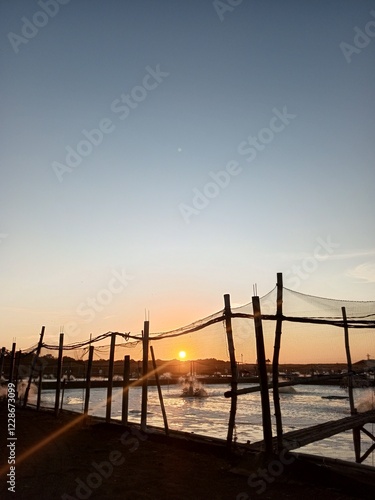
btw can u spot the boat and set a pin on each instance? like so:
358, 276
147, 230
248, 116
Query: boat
194, 389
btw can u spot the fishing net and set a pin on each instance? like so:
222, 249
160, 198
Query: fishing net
312, 332
312, 342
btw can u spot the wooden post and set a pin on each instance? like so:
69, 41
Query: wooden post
59, 373
62, 393
144, 376
2, 359
33, 363
17, 364
125, 390
275, 361
263, 381
17, 359
12, 359
353, 410
233, 366
39, 396
88, 380
357, 444
159, 392
110, 377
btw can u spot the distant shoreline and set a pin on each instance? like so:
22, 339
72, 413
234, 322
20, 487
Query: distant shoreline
103, 383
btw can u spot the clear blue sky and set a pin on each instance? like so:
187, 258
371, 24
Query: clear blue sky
182, 90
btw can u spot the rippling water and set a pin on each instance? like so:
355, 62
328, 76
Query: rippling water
209, 416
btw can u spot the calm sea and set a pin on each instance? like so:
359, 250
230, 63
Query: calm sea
209, 416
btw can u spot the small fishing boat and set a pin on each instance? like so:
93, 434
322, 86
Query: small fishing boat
193, 390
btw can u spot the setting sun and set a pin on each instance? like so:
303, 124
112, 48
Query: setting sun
182, 354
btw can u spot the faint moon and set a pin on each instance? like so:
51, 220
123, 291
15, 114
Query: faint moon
179, 150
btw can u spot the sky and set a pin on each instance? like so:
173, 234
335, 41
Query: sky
157, 155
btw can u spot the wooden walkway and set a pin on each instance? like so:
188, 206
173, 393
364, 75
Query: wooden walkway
296, 439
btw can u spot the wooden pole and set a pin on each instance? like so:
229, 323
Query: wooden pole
12, 359
39, 396
353, 410
159, 392
234, 371
17, 364
110, 377
59, 373
62, 393
144, 376
357, 444
33, 363
88, 380
2, 359
263, 381
125, 390
275, 361
17, 361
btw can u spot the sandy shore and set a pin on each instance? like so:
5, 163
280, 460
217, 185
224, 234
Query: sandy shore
67, 458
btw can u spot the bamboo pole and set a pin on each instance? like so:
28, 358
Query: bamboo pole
263, 381
125, 390
234, 371
353, 410
160, 394
110, 377
145, 336
33, 363
275, 361
11, 366
59, 373
88, 380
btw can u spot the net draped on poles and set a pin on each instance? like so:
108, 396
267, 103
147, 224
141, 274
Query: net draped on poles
311, 333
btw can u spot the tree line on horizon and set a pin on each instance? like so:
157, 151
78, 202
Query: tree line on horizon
47, 365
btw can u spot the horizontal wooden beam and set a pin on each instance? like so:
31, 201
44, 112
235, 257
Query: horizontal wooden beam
296, 439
